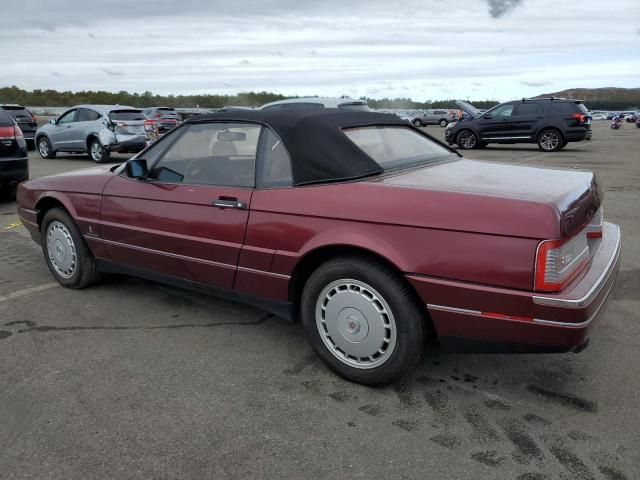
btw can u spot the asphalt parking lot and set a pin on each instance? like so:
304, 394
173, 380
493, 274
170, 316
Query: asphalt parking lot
131, 379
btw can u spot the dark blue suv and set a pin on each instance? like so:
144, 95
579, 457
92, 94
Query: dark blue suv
549, 122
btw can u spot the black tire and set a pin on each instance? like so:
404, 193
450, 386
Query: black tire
406, 313
44, 148
466, 140
97, 152
417, 123
85, 270
443, 123
550, 140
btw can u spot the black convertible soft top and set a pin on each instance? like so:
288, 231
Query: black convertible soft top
320, 151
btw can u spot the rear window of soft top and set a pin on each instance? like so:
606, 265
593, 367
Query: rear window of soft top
393, 147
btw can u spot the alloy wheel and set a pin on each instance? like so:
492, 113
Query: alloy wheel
467, 140
356, 323
96, 151
549, 141
43, 148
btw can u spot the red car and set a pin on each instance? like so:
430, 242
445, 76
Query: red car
381, 240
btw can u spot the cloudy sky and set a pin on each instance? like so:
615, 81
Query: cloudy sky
423, 49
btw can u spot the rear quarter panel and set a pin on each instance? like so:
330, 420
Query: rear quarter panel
467, 256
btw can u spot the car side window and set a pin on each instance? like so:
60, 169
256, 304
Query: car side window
528, 109
68, 117
502, 111
86, 115
275, 162
211, 154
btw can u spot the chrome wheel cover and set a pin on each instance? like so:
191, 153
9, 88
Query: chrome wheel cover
96, 151
61, 249
43, 148
549, 141
467, 140
356, 324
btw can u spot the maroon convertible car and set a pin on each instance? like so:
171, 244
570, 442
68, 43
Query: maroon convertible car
381, 240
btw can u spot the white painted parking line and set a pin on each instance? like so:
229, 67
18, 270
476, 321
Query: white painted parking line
28, 291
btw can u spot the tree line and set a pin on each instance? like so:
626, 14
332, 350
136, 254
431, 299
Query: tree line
55, 98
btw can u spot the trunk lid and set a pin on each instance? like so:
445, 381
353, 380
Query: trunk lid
574, 195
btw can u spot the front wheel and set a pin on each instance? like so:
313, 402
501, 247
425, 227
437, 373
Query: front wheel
550, 141
467, 140
443, 123
97, 152
417, 123
67, 255
363, 321
44, 148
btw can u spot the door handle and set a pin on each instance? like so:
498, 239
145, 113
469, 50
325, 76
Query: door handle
229, 202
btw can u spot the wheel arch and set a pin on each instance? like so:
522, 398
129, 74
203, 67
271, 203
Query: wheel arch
550, 127
92, 136
316, 257
53, 200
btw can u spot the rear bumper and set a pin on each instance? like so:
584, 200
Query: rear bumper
578, 134
481, 318
129, 146
13, 170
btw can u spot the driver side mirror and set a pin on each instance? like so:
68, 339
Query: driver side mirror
137, 168
52, 121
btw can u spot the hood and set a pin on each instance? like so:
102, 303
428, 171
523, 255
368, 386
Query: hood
468, 108
90, 180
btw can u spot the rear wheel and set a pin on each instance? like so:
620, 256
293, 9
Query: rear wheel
67, 255
443, 123
550, 140
97, 152
417, 123
363, 320
44, 148
467, 140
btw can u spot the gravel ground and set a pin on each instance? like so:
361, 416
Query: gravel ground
131, 379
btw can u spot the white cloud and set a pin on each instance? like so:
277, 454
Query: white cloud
426, 49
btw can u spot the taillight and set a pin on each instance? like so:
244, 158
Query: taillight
558, 262
579, 117
594, 229
11, 133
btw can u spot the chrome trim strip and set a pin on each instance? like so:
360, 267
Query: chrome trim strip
168, 254
550, 323
262, 272
593, 292
553, 323
504, 138
444, 308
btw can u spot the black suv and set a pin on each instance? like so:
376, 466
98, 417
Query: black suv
14, 164
549, 122
26, 120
